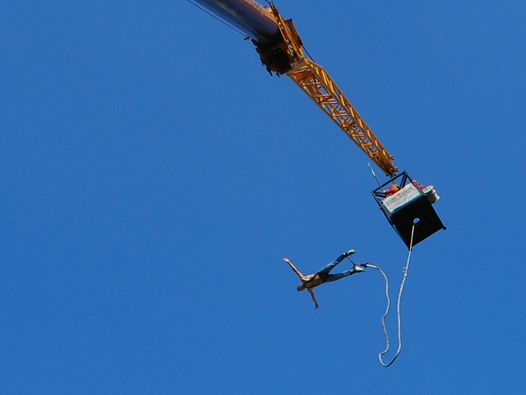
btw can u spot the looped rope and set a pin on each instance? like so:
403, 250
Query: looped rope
398, 305
387, 309
398, 312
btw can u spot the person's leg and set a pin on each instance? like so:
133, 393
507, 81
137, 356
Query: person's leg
334, 277
327, 269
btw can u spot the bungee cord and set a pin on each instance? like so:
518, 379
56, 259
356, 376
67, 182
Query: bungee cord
388, 306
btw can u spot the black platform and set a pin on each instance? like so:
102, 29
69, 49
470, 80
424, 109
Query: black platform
418, 211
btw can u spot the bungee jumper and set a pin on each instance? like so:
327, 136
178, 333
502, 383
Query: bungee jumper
311, 281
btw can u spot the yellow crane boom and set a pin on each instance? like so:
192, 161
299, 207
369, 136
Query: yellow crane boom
321, 88
281, 51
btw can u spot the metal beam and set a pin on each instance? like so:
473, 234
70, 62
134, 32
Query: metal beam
246, 15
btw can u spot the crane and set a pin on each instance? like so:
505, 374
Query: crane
281, 51
407, 204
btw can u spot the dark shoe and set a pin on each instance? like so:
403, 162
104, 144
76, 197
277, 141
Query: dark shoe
349, 253
358, 268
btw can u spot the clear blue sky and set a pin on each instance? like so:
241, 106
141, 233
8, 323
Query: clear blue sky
153, 176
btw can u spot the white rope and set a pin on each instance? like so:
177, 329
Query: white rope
387, 307
398, 311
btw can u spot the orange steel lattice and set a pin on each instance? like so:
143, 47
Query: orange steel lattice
320, 87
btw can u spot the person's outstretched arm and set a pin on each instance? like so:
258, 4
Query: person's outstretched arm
298, 273
313, 296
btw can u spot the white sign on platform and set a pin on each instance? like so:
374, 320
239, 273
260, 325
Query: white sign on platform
401, 198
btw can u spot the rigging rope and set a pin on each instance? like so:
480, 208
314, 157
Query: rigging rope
308, 53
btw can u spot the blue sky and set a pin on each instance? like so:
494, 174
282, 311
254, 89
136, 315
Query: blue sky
153, 176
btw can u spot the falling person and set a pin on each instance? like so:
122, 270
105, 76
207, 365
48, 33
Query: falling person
310, 281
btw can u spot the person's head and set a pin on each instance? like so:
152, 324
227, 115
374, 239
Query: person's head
300, 287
